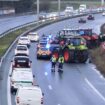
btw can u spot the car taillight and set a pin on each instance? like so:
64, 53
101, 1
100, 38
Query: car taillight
29, 64
42, 100
18, 100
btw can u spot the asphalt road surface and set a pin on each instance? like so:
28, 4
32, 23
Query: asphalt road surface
11, 22
80, 84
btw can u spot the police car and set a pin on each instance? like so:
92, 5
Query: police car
43, 52
21, 49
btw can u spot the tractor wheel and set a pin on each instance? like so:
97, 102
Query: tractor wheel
68, 55
82, 56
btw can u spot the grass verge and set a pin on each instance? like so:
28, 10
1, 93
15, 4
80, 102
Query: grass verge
7, 40
98, 58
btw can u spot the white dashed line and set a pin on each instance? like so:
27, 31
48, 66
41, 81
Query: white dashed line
50, 87
58, 104
45, 73
95, 90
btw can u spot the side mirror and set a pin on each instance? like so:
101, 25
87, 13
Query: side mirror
33, 76
42, 94
10, 75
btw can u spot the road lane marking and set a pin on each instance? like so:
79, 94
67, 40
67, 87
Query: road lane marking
8, 88
45, 73
97, 92
50, 87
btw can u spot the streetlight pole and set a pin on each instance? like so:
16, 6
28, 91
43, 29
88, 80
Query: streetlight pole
38, 9
102, 2
59, 7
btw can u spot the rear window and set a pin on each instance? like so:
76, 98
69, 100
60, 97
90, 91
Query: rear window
21, 60
21, 48
44, 49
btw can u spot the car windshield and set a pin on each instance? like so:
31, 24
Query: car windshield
23, 39
21, 48
43, 43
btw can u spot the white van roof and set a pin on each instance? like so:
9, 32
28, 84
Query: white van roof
22, 76
30, 95
22, 69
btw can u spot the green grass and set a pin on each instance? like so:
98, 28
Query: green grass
6, 41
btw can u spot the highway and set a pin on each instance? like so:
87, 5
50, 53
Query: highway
11, 22
80, 84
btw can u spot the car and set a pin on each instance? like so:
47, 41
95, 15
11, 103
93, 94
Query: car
52, 16
24, 40
90, 17
21, 78
29, 96
33, 36
42, 43
21, 62
43, 52
42, 16
21, 49
81, 20
103, 14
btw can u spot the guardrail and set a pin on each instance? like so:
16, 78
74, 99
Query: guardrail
37, 26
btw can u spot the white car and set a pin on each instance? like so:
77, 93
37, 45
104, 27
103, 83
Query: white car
103, 14
33, 36
24, 40
21, 78
21, 49
29, 96
52, 16
69, 11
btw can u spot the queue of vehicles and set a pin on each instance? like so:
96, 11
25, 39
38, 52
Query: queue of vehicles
22, 82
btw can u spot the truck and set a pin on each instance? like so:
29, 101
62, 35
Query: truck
82, 8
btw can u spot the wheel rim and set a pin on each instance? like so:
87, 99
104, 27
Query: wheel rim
66, 55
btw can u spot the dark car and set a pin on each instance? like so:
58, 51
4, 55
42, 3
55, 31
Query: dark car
42, 16
90, 17
82, 20
21, 62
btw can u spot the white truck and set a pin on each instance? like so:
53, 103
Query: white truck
21, 78
82, 8
69, 11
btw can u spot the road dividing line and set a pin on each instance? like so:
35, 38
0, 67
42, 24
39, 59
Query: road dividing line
45, 73
8, 88
50, 87
97, 92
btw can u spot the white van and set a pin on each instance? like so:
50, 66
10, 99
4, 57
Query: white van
21, 78
29, 96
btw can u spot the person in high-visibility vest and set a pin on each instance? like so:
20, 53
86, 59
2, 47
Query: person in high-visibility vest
53, 62
61, 62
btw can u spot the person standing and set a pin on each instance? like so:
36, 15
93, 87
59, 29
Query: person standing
61, 62
53, 63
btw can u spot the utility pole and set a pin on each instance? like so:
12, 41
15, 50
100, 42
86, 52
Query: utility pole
38, 9
102, 2
59, 7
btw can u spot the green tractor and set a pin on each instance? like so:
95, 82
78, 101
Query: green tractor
75, 50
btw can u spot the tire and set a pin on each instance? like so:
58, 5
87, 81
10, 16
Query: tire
82, 56
68, 55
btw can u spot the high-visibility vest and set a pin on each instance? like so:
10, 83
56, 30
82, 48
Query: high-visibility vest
53, 59
61, 60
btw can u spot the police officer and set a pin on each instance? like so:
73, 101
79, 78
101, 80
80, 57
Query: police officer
61, 62
53, 61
